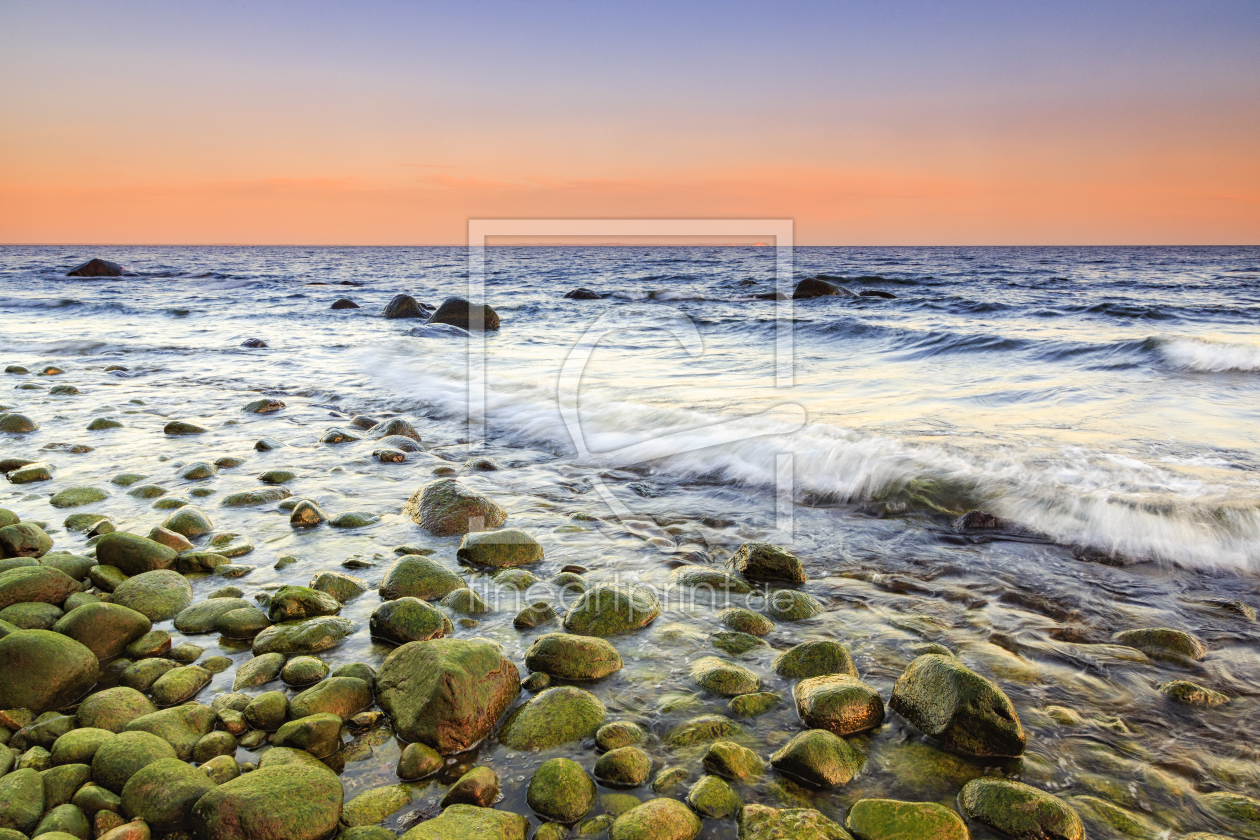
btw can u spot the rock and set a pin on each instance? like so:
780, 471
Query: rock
344, 303
766, 562
744, 620
310, 636
418, 761
623, 767
559, 715
32, 615
354, 519
79, 745
447, 693
341, 586
105, 629
419, 577
467, 316
267, 711
394, 427
669, 780
243, 623
403, 306
390, 456
62, 782
812, 287
106, 578
179, 684
447, 508
318, 734
113, 708
656, 819
535, 615
713, 798
757, 822
17, 424
96, 267
203, 616
568, 657
406, 620
143, 674
134, 555
724, 678
1241, 812
268, 445
1159, 642
295, 603
1191, 694
731, 761
259, 670
341, 696
159, 595
468, 822
254, 343
266, 405
583, 293
790, 605
179, 427
250, 498
819, 758
213, 745
25, 539
163, 794
44, 670
561, 791
21, 800
399, 442
962, 710
30, 474
76, 567
697, 730
197, 471
815, 659
306, 514
120, 758
464, 602
1019, 810
608, 610
888, 819
713, 580
303, 670
277, 477
373, 806
293, 802
839, 703
479, 786
499, 549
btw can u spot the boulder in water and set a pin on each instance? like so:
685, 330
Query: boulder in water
812, 287
344, 303
403, 306
876, 293
298, 801
255, 343
44, 670
583, 293
467, 316
1019, 810
965, 712
446, 508
96, 267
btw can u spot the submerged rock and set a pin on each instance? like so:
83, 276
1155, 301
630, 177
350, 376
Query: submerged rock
813, 287
583, 293
838, 703
1192, 694
499, 549
962, 710
414, 576
1159, 642
447, 693
1019, 810
724, 678
790, 605
815, 659
447, 508
344, 303
403, 306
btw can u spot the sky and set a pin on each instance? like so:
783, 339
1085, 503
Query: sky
911, 123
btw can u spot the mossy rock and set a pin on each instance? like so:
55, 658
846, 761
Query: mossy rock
447, 508
62, 781
406, 620
17, 424
657, 819
303, 671
120, 758
197, 471
374, 805
341, 586
266, 405
24, 539
499, 549
736, 643
766, 562
713, 798
744, 620
319, 734
609, 610
147, 491
181, 727
214, 745
189, 522
414, 576
888, 819
791, 605
754, 705
311, 636
267, 711
1242, 813
341, 696
163, 794
559, 715
277, 477
732, 761
101, 424
819, 758
30, 474
623, 767
132, 554
243, 623
113, 708
296, 603
32, 615
469, 822
962, 710
177, 428
535, 615
838, 703
447, 693
1159, 642
714, 580
569, 657
669, 780
1192, 694
815, 659
759, 822
79, 746
143, 674
258, 670
203, 616
700, 729
105, 629
77, 497
1019, 810
44, 670
251, 498
464, 602
296, 802
159, 594
354, 519
724, 678
619, 734
479, 786
418, 761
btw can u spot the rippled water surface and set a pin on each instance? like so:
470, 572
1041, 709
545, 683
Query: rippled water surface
1103, 402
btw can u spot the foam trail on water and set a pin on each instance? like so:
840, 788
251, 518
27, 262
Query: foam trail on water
1206, 356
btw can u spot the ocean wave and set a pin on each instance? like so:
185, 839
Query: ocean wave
1205, 356
38, 303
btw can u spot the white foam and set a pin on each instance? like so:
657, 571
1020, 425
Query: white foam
1206, 356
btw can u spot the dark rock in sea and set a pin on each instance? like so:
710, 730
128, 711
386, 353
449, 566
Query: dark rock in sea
812, 287
254, 342
876, 293
344, 303
1019, 810
404, 306
445, 508
770, 296
584, 294
459, 313
96, 267
977, 520
966, 713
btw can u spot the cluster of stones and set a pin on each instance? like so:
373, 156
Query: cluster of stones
147, 759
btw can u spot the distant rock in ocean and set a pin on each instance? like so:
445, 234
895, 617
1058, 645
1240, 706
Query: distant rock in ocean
876, 293
812, 287
404, 306
458, 313
584, 294
96, 267
254, 343
344, 303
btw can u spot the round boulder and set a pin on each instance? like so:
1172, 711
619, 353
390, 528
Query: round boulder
962, 710
44, 670
294, 801
569, 657
447, 508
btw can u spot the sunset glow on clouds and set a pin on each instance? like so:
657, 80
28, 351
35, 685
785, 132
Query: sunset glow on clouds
377, 123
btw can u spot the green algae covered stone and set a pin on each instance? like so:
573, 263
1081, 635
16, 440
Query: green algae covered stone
499, 549
962, 710
301, 801
163, 794
159, 594
819, 758
447, 508
374, 805
1019, 810
724, 678
1160, 641
561, 791
404, 620
105, 629
121, 757
21, 800
815, 659
341, 696
697, 730
469, 822
569, 657
838, 703
132, 554
731, 761
559, 715
758, 822
414, 576
766, 562
44, 670
656, 819
609, 610
623, 767
713, 798
319, 734
753, 705
791, 605
888, 819
310, 636
77, 496
35, 584
24, 539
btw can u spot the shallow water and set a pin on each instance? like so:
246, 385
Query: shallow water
1103, 401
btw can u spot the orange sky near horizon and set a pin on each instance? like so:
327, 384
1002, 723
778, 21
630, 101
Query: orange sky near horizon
151, 146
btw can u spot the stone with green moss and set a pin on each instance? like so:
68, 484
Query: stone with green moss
105, 629
732, 761
504, 549
22, 795
164, 792
570, 657
373, 806
535, 615
354, 519
318, 734
31, 473
101, 424
559, 715
820, 758
181, 726
32, 615
17, 424
296, 603
79, 745
735, 642
251, 498
341, 586
342, 696
962, 710
182, 427
815, 659
310, 636
619, 734
414, 576
418, 761
1019, 810
44, 670
754, 705
517, 580
759, 822
791, 605
448, 508
24, 539
78, 496
623, 767
120, 758
700, 729
159, 594
465, 602
1160, 642
1192, 694
656, 819
1242, 812
406, 620
143, 674
609, 610
203, 616
725, 678
713, 798
767, 562
469, 822
132, 554
267, 711
889, 819
710, 579
113, 708
838, 703
170, 503
296, 802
